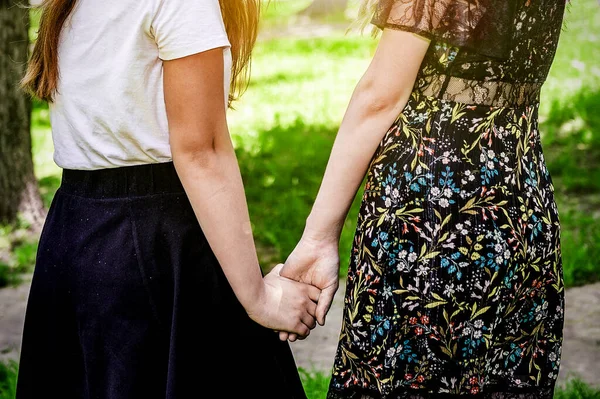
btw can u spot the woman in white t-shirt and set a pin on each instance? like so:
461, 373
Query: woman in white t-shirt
147, 283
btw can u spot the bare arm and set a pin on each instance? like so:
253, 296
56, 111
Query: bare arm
206, 163
378, 99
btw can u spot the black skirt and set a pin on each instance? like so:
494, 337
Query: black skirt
129, 301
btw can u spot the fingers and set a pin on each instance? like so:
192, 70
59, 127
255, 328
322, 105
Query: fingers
313, 292
290, 336
311, 308
309, 320
324, 303
307, 323
301, 316
307, 298
310, 292
302, 331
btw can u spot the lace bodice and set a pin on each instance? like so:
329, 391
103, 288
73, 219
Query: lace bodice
494, 52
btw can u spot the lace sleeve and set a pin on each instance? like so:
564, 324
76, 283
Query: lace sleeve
483, 26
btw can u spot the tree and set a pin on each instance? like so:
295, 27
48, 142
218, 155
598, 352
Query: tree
321, 8
19, 193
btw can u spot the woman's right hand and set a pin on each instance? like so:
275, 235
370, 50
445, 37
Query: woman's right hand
315, 262
285, 305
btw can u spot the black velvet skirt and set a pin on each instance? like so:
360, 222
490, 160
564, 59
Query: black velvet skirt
128, 301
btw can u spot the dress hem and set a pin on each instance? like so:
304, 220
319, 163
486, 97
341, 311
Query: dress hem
489, 392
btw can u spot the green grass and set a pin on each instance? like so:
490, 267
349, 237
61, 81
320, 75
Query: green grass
285, 124
21, 263
572, 148
17, 253
577, 63
577, 389
308, 79
277, 12
284, 194
580, 238
8, 379
570, 126
316, 384
302, 86
286, 14
572, 141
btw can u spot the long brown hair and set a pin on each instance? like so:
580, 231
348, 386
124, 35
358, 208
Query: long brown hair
241, 19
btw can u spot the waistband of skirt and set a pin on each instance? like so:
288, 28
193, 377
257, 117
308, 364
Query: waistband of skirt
122, 182
475, 92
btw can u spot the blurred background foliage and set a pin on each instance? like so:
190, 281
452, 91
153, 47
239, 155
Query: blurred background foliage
303, 73
303, 76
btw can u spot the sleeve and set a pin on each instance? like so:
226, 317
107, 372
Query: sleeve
483, 26
186, 27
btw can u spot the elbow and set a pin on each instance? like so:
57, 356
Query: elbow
379, 97
197, 154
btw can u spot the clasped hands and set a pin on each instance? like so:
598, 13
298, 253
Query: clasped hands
315, 263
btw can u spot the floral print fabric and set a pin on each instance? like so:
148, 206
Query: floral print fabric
455, 283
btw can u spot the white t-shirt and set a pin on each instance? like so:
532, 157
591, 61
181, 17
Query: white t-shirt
109, 109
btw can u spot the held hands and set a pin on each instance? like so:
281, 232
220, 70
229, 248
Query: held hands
314, 262
285, 305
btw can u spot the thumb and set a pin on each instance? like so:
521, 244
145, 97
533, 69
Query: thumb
324, 304
277, 269
284, 270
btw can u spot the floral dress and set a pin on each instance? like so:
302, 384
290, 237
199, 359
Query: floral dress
455, 284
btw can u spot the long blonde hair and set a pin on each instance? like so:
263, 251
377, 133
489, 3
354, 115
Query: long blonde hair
365, 12
241, 19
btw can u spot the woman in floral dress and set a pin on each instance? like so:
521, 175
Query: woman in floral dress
455, 282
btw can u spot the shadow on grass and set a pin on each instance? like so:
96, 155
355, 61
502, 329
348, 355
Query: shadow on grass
571, 137
282, 172
283, 168
580, 244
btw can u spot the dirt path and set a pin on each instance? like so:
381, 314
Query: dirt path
12, 310
581, 351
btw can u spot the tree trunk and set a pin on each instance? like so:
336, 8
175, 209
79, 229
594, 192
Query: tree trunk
320, 8
19, 194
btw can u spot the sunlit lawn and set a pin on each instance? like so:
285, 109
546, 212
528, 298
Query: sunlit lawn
285, 124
